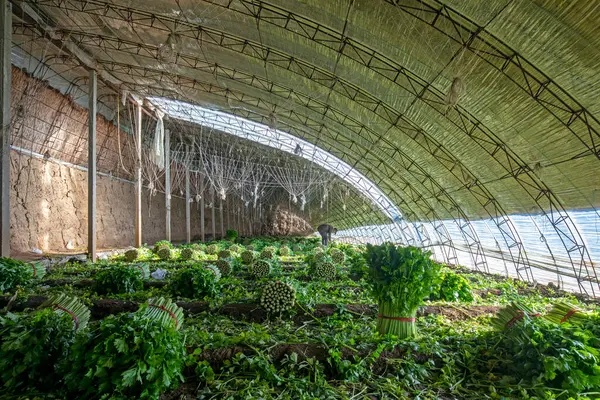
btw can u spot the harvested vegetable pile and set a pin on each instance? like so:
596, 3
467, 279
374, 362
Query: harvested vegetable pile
295, 326
278, 296
260, 268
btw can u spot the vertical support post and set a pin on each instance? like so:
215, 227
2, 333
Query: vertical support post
242, 216
202, 207
138, 174
221, 219
249, 221
214, 225
168, 184
188, 214
239, 219
92, 96
227, 213
5, 132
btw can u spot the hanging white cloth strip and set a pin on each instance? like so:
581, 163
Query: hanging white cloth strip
158, 148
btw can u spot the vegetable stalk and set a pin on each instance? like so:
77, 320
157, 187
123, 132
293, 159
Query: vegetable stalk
389, 320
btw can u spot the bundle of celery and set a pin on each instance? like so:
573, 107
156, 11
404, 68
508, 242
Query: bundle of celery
563, 312
401, 278
513, 318
163, 310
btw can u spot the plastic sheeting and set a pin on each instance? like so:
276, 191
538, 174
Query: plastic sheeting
548, 257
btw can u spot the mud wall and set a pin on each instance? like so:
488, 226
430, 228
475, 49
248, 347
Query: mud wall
49, 209
49, 186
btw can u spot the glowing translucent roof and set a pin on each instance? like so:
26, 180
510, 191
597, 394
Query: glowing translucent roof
278, 139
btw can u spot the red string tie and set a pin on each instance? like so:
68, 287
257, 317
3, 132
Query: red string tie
568, 315
514, 319
519, 317
401, 319
71, 313
141, 270
168, 311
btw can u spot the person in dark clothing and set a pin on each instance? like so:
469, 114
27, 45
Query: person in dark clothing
325, 231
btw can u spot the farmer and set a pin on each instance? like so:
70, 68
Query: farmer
325, 231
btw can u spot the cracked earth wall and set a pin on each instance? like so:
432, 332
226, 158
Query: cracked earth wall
49, 209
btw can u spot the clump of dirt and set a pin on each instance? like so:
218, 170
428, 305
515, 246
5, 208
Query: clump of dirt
31, 302
105, 307
363, 309
249, 312
303, 350
456, 313
194, 307
185, 391
216, 357
485, 293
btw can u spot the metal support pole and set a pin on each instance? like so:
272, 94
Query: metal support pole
202, 207
188, 214
221, 219
6, 44
214, 225
138, 175
92, 96
168, 184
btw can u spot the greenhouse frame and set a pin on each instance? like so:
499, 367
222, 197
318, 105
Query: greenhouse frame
467, 129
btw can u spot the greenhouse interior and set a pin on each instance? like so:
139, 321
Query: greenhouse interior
311, 199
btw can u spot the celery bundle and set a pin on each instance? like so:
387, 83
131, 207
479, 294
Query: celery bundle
401, 278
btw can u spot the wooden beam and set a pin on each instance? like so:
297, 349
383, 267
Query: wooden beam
202, 231
168, 185
138, 174
227, 212
92, 105
221, 219
5, 50
249, 221
240, 221
214, 225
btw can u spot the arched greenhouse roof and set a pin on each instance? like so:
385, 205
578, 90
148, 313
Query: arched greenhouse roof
473, 125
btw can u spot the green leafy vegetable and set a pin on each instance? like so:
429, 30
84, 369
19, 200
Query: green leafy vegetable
401, 277
15, 273
130, 355
194, 282
33, 345
120, 279
452, 287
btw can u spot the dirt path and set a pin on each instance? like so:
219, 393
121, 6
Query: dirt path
253, 312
